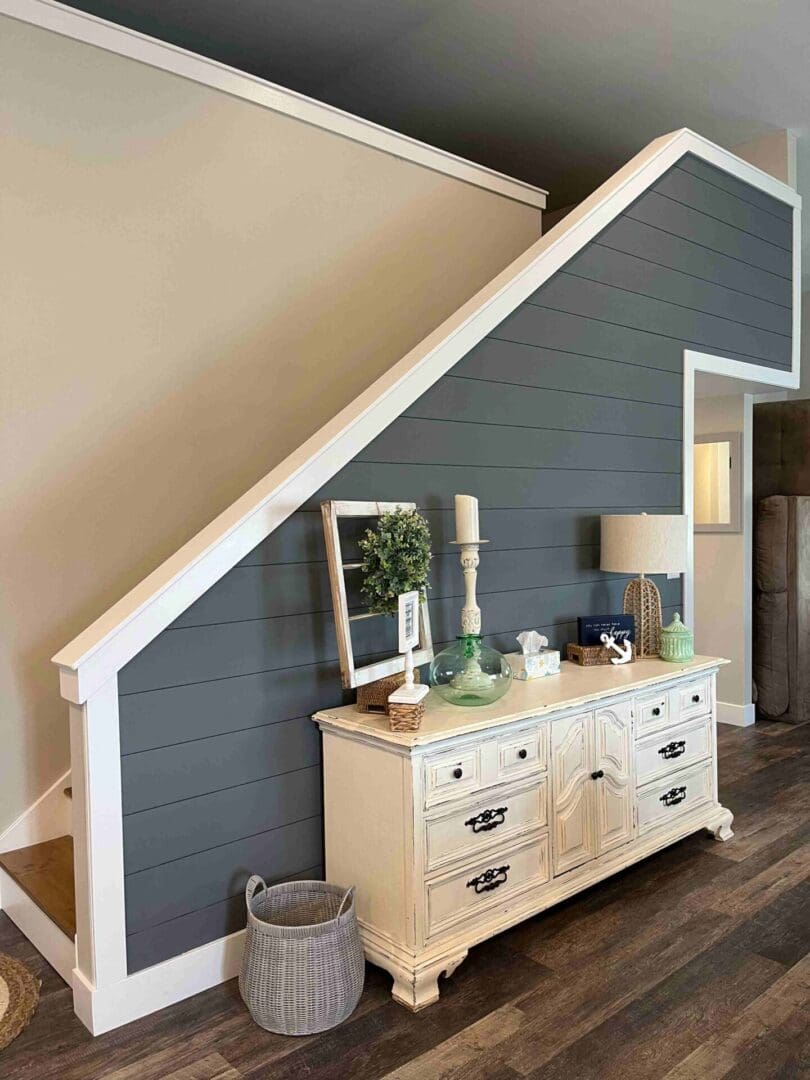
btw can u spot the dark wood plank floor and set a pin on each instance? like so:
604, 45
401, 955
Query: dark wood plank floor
691, 966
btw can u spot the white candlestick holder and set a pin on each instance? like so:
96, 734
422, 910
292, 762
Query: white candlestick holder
472, 678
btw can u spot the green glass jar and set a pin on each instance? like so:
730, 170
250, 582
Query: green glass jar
677, 643
470, 672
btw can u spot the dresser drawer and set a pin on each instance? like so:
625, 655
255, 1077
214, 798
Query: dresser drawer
460, 895
487, 822
673, 748
674, 796
452, 774
694, 699
523, 753
652, 712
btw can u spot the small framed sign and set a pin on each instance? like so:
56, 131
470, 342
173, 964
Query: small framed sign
622, 628
408, 621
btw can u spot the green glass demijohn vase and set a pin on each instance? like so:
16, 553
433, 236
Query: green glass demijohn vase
677, 643
470, 673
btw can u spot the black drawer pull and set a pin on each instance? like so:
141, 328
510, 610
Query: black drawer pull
487, 820
523, 753
657, 710
696, 698
598, 774
489, 880
457, 774
673, 749
673, 796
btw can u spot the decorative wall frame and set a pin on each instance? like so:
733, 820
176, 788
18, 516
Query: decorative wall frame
351, 676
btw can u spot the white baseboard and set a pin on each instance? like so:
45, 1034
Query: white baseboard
104, 1008
47, 818
736, 715
44, 935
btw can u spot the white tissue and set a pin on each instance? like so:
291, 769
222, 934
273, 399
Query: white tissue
531, 642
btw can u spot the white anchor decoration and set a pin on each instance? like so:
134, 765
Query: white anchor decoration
625, 651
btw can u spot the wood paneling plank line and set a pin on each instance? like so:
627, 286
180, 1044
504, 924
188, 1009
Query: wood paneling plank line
196, 881
691, 224
582, 393
684, 187
614, 305
645, 278
187, 931
726, 182
650, 243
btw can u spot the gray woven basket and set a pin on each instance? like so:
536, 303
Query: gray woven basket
302, 968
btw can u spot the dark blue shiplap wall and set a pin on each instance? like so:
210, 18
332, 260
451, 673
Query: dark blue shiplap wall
570, 408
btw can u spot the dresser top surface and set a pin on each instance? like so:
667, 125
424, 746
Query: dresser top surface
574, 686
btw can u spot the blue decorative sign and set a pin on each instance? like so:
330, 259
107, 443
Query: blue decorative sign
591, 627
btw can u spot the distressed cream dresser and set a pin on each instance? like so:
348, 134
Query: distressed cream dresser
487, 816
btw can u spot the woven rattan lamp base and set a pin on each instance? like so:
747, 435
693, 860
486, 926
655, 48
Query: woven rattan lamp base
642, 600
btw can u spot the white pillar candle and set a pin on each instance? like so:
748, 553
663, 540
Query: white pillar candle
467, 519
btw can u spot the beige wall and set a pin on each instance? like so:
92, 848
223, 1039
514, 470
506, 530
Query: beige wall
722, 571
191, 286
774, 153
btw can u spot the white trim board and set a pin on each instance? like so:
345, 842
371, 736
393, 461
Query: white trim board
154, 988
101, 650
694, 362
92, 30
735, 715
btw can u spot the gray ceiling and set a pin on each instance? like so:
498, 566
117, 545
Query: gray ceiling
558, 93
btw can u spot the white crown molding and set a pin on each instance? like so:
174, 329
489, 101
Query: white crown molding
128, 626
79, 25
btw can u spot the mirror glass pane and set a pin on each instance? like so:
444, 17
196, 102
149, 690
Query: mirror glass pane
713, 483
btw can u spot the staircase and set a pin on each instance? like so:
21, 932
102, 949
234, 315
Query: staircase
45, 874
37, 878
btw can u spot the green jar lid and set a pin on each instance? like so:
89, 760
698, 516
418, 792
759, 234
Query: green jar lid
676, 627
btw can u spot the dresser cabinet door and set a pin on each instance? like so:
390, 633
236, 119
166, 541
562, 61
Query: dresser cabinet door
613, 762
572, 786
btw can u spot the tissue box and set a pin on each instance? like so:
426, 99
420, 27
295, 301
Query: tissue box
535, 665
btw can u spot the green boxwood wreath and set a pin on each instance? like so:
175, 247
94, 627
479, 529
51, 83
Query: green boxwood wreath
396, 559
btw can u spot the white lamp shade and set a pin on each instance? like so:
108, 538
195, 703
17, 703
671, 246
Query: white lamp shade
644, 543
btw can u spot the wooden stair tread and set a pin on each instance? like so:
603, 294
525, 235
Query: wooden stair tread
45, 873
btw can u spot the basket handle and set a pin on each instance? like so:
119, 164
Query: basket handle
253, 883
349, 893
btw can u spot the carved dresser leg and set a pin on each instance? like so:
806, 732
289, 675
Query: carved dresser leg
720, 828
416, 990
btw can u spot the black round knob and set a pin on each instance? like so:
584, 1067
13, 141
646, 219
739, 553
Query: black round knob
696, 698
656, 711
597, 775
522, 754
458, 773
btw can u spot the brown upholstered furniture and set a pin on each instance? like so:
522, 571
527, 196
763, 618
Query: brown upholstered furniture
782, 607
781, 644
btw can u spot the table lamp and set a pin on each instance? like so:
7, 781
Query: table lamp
644, 544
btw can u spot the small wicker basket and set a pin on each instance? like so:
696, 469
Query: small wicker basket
405, 716
303, 967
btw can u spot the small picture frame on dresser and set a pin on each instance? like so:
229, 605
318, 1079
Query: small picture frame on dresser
408, 619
